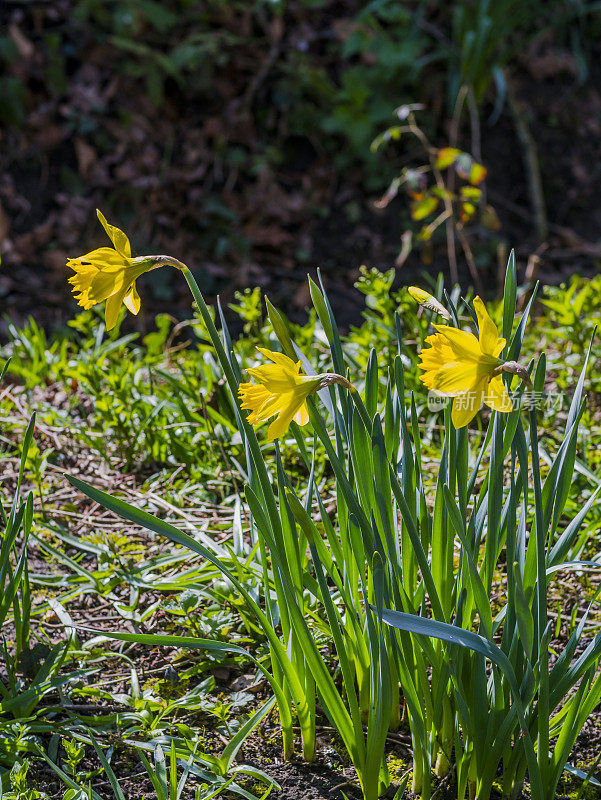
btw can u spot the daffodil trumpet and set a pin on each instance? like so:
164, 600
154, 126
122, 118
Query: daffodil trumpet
282, 389
468, 368
111, 273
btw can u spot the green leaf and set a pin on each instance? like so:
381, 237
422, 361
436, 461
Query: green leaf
480, 596
523, 613
477, 643
280, 329
509, 296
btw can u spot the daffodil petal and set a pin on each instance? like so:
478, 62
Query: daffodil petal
302, 415
467, 405
273, 405
281, 359
111, 311
105, 284
132, 299
117, 237
456, 378
281, 389
464, 344
497, 396
281, 424
254, 398
104, 258
279, 380
81, 283
490, 342
262, 403
276, 378
114, 302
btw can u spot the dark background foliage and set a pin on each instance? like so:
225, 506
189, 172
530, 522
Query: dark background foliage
236, 136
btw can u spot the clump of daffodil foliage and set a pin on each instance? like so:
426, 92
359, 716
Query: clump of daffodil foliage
397, 578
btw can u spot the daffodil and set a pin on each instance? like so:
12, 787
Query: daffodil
428, 301
110, 273
468, 368
282, 389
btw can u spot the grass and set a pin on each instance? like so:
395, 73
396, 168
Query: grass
150, 420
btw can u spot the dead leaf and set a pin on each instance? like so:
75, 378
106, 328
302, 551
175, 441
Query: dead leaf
24, 46
86, 157
4, 224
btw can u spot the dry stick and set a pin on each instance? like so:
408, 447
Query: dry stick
469, 257
476, 143
572, 240
265, 68
531, 162
502, 257
417, 131
454, 127
465, 95
343, 785
443, 782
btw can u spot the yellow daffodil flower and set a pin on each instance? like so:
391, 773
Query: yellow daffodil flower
467, 368
428, 301
110, 274
281, 389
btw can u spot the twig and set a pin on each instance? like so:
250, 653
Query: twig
501, 267
469, 257
416, 130
466, 96
443, 782
531, 162
342, 785
476, 146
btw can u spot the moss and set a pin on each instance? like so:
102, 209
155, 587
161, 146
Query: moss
570, 787
397, 766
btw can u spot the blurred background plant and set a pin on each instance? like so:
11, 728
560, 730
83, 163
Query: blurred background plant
438, 202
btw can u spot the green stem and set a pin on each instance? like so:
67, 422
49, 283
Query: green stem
541, 607
306, 716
